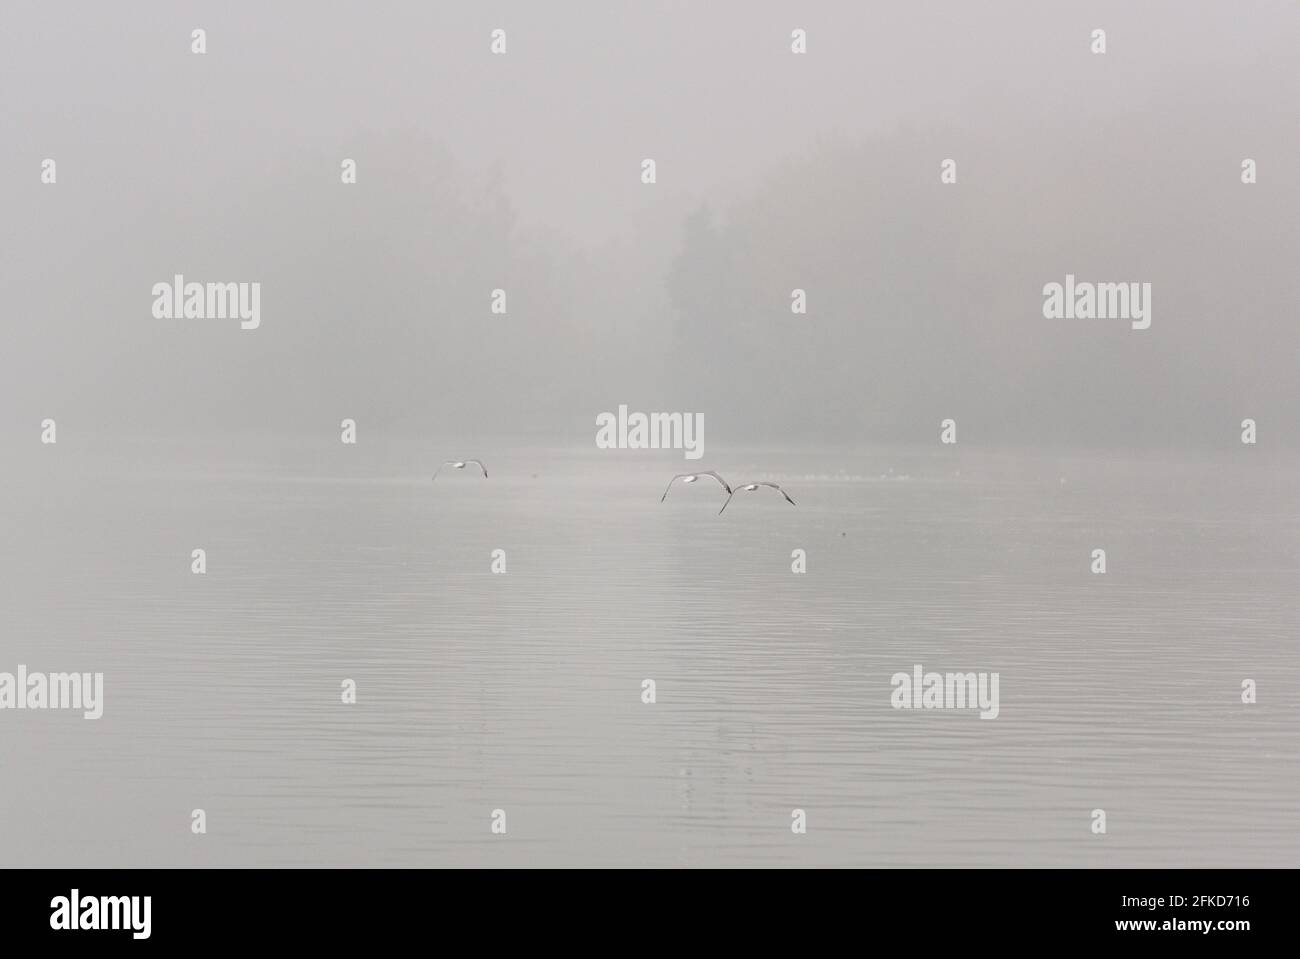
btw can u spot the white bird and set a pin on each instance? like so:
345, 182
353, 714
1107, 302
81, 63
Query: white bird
691, 478
750, 487
460, 465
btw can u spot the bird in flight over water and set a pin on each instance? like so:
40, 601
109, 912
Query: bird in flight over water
750, 487
691, 478
460, 465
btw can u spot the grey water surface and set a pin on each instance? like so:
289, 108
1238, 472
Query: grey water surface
522, 691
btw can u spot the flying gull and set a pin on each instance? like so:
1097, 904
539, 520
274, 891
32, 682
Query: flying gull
460, 465
750, 487
691, 478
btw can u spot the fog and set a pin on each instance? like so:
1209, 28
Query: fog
775, 171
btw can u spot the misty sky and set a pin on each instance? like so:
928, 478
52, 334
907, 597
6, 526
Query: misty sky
775, 171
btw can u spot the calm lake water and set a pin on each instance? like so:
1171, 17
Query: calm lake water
522, 691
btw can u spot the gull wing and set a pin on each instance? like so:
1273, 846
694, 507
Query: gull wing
670, 484
479, 464
724, 505
439, 469
702, 472
781, 491
725, 484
